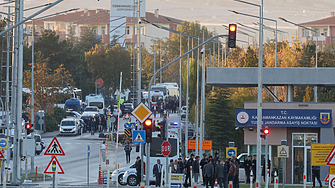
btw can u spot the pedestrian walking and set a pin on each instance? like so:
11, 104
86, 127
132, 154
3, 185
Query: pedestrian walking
316, 174
247, 168
209, 173
138, 170
195, 168
219, 173
103, 150
157, 173
127, 149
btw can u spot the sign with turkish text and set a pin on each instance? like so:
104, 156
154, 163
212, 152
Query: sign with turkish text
206, 145
320, 153
284, 118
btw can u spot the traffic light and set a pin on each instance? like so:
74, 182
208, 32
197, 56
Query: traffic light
163, 129
54, 166
29, 127
232, 36
264, 132
147, 126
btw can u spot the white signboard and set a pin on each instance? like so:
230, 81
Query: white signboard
121, 8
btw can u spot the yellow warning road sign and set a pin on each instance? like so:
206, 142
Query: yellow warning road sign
319, 153
283, 151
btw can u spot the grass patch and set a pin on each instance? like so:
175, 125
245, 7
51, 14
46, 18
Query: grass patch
31, 176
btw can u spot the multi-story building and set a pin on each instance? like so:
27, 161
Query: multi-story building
98, 20
325, 29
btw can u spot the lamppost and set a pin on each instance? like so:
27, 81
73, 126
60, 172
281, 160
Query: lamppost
260, 87
316, 51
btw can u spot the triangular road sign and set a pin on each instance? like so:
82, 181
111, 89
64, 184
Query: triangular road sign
283, 151
331, 160
139, 138
54, 148
330, 154
127, 117
59, 168
1, 155
327, 178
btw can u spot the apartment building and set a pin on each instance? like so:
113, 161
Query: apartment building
325, 29
98, 19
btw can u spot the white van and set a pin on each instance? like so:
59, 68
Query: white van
96, 100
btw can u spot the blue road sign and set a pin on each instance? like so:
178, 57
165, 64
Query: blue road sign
138, 136
231, 152
126, 125
3, 143
176, 185
88, 151
133, 125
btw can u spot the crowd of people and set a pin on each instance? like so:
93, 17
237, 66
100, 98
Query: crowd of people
167, 106
98, 123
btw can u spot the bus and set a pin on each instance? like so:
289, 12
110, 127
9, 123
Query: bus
73, 104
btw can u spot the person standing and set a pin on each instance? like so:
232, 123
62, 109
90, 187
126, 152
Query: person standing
195, 168
219, 173
171, 165
226, 170
157, 173
203, 162
232, 172
254, 168
247, 169
127, 149
237, 165
264, 173
316, 174
188, 170
180, 166
209, 173
138, 170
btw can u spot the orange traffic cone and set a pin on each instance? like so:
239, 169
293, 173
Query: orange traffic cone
216, 184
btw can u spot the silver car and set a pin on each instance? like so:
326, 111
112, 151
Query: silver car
70, 126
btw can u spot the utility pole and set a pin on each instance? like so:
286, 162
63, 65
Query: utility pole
32, 169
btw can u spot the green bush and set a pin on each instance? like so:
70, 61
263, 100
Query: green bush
52, 120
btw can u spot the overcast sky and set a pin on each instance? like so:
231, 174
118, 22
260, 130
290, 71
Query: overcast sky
214, 13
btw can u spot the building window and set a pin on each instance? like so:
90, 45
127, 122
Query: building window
95, 30
50, 26
127, 30
103, 30
325, 31
305, 33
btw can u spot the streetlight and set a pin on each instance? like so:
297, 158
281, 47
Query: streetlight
197, 102
260, 87
316, 51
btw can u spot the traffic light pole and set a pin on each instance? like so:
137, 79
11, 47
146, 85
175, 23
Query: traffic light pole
167, 157
266, 163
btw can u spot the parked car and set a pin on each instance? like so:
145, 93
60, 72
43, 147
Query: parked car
127, 108
92, 109
119, 176
69, 126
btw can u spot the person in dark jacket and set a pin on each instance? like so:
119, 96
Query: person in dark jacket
180, 166
264, 167
237, 165
219, 173
138, 170
203, 162
316, 174
195, 168
157, 173
127, 149
209, 173
254, 168
247, 168
226, 170
188, 170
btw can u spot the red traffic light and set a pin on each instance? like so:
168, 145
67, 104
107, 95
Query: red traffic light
266, 131
28, 126
232, 27
148, 122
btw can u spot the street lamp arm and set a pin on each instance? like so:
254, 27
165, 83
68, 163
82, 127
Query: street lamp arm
168, 19
247, 26
253, 4
30, 17
244, 14
7, 2
185, 54
297, 24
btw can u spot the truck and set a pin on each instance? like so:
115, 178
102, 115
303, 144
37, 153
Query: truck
96, 100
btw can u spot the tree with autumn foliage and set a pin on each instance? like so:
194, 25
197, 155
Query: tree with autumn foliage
50, 86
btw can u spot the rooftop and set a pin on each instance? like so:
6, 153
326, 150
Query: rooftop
322, 22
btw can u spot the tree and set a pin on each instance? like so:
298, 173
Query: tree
50, 86
219, 123
88, 39
107, 64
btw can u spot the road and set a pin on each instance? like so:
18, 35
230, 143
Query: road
74, 163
